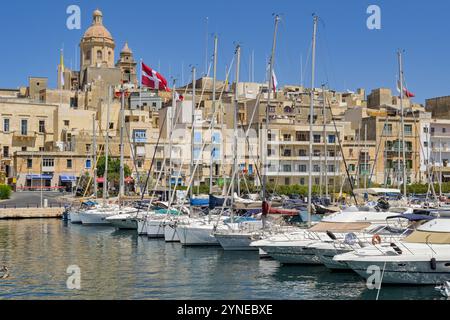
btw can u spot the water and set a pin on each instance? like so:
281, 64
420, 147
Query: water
121, 265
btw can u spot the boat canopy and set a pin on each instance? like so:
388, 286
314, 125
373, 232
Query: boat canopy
378, 191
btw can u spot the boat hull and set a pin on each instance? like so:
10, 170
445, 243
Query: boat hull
97, 219
155, 229
197, 236
297, 255
235, 242
142, 227
74, 217
124, 224
170, 233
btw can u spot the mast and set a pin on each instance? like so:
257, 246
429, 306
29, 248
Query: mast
193, 131
213, 117
326, 142
171, 125
400, 64
122, 153
311, 121
94, 153
271, 84
366, 160
235, 122
105, 175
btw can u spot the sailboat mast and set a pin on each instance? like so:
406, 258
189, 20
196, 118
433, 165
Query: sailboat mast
311, 121
326, 140
105, 175
122, 153
213, 117
400, 64
193, 130
94, 153
171, 125
235, 122
271, 84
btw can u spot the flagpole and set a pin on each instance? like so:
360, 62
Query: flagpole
140, 86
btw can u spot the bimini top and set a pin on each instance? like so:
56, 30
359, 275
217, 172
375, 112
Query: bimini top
436, 231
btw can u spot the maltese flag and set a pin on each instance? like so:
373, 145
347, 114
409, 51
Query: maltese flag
274, 81
153, 79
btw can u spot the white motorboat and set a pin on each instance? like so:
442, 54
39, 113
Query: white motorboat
200, 232
74, 217
422, 258
97, 217
294, 248
396, 228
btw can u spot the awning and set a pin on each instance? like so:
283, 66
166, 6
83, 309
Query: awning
68, 178
39, 177
129, 180
100, 180
340, 227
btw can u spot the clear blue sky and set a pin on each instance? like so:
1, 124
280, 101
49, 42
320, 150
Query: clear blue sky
170, 33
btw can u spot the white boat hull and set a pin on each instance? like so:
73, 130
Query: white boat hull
74, 217
95, 219
292, 255
142, 227
170, 233
155, 229
197, 236
236, 242
417, 273
326, 257
124, 224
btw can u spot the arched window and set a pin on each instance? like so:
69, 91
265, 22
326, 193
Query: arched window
110, 56
99, 55
88, 54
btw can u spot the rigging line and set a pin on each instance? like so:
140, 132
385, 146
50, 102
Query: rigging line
379, 148
308, 58
342, 150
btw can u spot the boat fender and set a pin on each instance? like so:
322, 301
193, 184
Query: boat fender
331, 235
376, 240
433, 264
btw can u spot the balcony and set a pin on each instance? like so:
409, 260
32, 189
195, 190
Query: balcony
24, 136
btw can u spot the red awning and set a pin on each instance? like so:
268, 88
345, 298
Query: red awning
100, 180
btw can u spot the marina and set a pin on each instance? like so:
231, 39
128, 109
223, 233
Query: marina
120, 265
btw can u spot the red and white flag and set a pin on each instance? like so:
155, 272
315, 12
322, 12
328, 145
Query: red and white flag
153, 79
179, 97
274, 81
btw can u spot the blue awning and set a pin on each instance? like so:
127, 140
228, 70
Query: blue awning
39, 177
68, 178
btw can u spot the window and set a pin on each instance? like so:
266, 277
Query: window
317, 138
287, 168
425, 144
24, 149
408, 129
6, 152
66, 123
316, 168
316, 153
158, 165
6, 125
444, 130
287, 181
387, 129
317, 181
287, 153
41, 126
140, 136
139, 164
29, 163
302, 181
88, 148
425, 130
48, 163
332, 139
272, 109
433, 130
302, 168
350, 152
302, 153
88, 164
99, 55
331, 168
111, 126
351, 167
24, 127
69, 163
197, 151
286, 137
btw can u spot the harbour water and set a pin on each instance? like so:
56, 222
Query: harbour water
122, 265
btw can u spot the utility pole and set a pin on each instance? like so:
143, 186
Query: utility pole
311, 122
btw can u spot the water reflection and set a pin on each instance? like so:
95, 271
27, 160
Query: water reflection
122, 265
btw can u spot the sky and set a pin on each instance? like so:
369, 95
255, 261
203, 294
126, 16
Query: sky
172, 36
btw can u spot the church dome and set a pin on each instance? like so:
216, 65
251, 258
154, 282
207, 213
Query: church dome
97, 29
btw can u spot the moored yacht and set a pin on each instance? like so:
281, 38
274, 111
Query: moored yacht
422, 258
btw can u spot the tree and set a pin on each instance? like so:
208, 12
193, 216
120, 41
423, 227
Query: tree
113, 169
